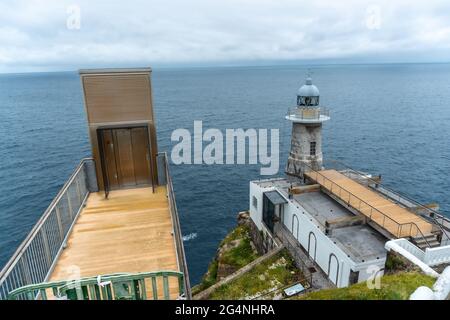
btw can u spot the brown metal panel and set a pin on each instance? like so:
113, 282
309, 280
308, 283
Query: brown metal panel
124, 157
117, 98
141, 156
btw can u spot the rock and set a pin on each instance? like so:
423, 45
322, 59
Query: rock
224, 270
243, 217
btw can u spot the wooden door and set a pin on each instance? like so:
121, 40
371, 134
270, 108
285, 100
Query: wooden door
110, 159
141, 156
124, 158
126, 155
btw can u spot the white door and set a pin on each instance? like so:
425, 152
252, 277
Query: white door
312, 246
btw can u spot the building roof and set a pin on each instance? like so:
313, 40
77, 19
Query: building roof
115, 70
308, 89
275, 197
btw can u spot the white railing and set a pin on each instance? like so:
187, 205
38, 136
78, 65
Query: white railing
431, 256
34, 260
436, 256
308, 113
411, 248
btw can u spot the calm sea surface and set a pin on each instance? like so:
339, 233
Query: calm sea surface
388, 119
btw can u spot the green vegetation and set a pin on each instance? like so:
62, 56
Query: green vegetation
235, 251
208, 279
238, 249
393, 287
396, 263
264, 279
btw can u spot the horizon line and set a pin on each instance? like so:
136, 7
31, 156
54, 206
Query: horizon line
188, 66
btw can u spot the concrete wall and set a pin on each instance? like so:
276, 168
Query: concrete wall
324, 248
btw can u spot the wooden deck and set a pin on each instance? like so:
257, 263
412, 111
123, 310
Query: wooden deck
387, 214
129, 232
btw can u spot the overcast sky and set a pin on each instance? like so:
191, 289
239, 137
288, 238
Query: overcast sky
67, 35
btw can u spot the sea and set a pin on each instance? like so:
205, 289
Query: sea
388, 119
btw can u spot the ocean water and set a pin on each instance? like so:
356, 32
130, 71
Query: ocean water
388, 119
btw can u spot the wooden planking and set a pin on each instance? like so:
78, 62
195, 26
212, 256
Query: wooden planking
351, 191
129, 232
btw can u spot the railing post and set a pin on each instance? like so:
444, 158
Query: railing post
60, 227
181, 285
78, 191
46, 245
26, 269
154, 289
69, 204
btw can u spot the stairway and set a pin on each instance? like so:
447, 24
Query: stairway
422, 242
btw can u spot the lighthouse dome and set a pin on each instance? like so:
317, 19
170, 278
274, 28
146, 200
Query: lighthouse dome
308, 94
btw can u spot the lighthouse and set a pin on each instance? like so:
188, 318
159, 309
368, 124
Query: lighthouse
306, 140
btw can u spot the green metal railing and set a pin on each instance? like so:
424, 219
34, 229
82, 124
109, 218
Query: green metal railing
125, 286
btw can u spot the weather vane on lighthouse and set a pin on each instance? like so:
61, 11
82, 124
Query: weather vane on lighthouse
306, 140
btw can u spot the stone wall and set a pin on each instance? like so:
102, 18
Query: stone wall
263, 241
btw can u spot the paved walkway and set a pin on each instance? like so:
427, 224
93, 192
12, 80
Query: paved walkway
319, 278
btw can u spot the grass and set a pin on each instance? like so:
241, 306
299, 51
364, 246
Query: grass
393, 287
208, 279
236, 256
276, 272
243, 253
395, 263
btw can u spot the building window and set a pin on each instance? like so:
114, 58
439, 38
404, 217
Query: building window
255, 202
353, 278
312, 148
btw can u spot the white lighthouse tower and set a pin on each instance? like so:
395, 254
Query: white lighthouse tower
306, 140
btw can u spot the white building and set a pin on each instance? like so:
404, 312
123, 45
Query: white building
341, 219
346, 250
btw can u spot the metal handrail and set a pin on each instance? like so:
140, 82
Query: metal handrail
34, 259
401, 196
308, 113
418, 204
399, 225
106, 287
177, 229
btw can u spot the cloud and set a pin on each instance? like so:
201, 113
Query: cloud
34, 34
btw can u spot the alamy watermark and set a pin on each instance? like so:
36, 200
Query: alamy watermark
374, 278
73, 21
228, 148
373, 17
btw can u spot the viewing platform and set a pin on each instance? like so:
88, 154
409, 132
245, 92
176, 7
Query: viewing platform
130, 231
128, 246
112, 232
398, 221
